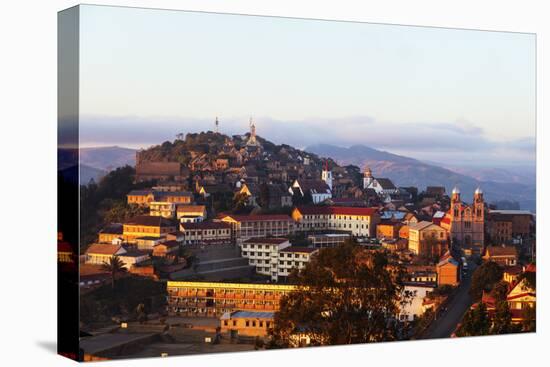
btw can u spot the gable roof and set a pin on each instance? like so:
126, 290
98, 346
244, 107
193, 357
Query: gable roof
386, 184
199, 209
422, 225
313, 186
103, 249
501, 251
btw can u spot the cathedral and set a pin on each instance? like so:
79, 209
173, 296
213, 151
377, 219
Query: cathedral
465, 223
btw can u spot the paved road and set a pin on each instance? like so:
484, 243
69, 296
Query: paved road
447, 321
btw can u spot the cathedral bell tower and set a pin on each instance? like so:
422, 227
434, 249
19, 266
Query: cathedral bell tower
479, 205
455, 203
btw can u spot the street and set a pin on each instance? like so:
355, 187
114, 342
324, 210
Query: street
446, 321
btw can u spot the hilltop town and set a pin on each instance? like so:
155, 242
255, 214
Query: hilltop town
226, 224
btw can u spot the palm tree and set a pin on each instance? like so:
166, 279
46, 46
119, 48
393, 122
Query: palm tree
114, 266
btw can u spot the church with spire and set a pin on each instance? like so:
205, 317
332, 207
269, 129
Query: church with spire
466, 223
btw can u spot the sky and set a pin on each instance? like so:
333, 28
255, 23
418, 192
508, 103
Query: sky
429, 93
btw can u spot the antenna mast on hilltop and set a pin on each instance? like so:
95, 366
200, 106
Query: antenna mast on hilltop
217, 125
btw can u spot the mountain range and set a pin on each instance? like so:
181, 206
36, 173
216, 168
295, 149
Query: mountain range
406, 171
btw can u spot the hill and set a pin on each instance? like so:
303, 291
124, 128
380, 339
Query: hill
405, 171
107, 158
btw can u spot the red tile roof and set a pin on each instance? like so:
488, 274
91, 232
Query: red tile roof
259, 217
307, 250
103, 249
205, 225
272, 241
337, 210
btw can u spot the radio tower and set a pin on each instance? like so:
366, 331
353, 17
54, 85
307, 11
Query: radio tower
217, 125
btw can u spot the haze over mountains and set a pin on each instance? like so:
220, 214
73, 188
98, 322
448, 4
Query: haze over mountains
405, 171
498, 184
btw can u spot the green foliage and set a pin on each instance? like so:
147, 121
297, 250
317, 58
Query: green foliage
240, 202
475, 322
499, 291
101, 304
529, 319
114, 266
96, 201
502, 321
484, 278
345, 295
119, 211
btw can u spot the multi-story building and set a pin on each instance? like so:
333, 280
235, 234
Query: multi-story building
360, 222
291, 258
207, 233
245, 227
448, 271
427, 239
388, 230
247, 323
191, 213
101, 253
499, 228
215, 299
145, 197
110, 232
504, 256
163, 171
275, 257
162, 209
466, 223
147, 226
263, 253
521, 220
328, 239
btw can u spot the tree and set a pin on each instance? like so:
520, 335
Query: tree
499, 291
344, 295
240, 202
264, 197
120, 211
475, 322
529, 323
114, 266
502, 322
484, 278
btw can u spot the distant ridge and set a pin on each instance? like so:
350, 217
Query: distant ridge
107, 158
405, 171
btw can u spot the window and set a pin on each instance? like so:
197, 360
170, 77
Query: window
253, 323
225, 323
261, 324
247, 323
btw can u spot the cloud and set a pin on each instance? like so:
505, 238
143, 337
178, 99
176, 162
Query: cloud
425, 140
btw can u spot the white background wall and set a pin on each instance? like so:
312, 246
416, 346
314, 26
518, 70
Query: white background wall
28, 164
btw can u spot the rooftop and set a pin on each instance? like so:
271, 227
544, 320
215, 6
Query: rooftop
301, 249
150, 221
337, 210
247, 315
272, 241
